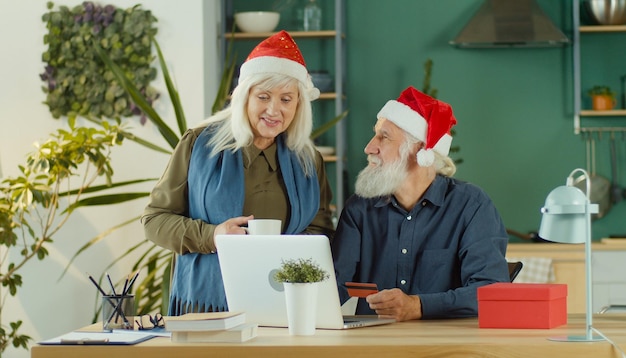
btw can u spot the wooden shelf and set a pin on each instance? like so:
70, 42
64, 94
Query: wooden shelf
611, 113
330, 158
294, 34
329, 95
603, 28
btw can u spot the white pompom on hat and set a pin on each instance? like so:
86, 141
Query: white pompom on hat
279, 54
425, 118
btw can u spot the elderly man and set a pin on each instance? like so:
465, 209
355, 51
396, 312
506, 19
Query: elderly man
427, 240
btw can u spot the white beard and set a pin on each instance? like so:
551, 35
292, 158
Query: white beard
381, 179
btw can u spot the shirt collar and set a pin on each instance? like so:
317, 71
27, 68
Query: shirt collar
435, 193
251, 152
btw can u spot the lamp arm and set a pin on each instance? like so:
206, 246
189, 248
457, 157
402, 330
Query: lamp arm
570, 180
588, 275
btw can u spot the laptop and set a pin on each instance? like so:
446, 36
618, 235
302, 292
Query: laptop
248, 264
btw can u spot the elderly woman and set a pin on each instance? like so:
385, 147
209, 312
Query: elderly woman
253, 159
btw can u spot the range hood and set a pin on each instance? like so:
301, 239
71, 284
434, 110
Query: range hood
509, 23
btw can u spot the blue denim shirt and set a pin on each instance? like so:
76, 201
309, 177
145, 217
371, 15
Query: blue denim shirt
449, 244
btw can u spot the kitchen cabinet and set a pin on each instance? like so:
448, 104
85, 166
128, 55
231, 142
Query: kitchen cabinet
313, 44
609, 281
608, 259
586, 34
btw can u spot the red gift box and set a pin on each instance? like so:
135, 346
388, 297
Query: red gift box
522, 305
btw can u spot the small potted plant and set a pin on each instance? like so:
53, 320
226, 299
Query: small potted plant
602, 98
300, 271
300, 278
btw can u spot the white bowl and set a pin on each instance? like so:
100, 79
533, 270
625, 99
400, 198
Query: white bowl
257, 21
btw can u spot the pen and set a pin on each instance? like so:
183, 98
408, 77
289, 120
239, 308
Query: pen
85, 341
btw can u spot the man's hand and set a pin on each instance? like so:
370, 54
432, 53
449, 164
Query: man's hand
395, 304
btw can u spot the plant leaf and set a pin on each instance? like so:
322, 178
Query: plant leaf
227, 76
144, 142
95, 240
93, 189
138, 98
174, 97
106, 200
133, 137
328, 125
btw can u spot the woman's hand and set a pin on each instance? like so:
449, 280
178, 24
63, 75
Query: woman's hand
232, 226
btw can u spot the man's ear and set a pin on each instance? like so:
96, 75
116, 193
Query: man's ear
416, 148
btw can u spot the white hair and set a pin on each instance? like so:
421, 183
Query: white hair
443, 164
232, 125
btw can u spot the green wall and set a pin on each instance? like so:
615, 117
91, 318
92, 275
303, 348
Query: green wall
514, 106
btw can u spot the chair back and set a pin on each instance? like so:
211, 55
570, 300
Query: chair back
514, 269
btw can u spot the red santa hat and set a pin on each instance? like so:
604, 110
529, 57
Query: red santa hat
425, 118
279, 54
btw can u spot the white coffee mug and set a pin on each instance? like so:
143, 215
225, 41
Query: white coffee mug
264, 227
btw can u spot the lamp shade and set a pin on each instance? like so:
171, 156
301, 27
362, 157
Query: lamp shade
565, 215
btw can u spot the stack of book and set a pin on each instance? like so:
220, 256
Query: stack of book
210, 327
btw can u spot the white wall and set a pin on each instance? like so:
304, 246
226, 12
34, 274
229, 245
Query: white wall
187, 33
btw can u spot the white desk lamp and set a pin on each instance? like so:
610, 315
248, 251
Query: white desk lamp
567, 219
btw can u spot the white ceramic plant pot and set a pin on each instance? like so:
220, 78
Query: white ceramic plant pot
301, 301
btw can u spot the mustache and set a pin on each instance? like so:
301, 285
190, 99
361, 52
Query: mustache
374, 160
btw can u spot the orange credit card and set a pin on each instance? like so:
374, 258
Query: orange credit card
360, 289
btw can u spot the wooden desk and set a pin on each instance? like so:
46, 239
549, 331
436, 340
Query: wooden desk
443, 338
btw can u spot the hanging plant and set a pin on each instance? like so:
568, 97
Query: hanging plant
77, 83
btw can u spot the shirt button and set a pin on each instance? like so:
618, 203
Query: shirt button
403, 282
424, 203
409, 217
404, 251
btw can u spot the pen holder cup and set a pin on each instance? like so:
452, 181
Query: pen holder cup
118, 312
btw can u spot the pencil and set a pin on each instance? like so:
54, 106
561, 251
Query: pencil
111, 284
130, 284
97, 286
115, 307
125, 286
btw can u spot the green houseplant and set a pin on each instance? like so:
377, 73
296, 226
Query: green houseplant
79, 84
76, 84
602, 98
301, 279
300, 271
57, 178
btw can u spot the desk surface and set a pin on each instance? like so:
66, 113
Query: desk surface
442, 338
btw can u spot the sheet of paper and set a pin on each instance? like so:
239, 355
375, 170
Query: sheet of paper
100, 338
157, 332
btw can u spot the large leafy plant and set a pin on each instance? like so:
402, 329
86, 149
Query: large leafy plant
152, 290
57, 178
